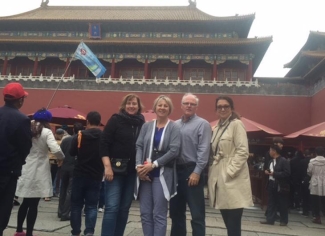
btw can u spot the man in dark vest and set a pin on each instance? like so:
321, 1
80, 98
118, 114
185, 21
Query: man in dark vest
278, 187
16, 141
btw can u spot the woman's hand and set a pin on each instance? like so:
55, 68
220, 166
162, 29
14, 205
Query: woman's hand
143, 171
109, 174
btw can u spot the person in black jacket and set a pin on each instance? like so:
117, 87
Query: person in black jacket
117, 149
278, 187
296, 168
66, 175
305, 192
87, 175
16, 141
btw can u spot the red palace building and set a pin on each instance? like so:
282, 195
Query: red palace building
158, 50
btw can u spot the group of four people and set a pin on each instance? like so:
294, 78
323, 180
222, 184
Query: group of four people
158, 162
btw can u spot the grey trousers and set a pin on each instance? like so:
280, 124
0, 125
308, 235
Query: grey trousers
153, 208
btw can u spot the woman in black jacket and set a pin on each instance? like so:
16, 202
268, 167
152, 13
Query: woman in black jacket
118, 152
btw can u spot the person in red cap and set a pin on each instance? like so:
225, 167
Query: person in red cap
16, 141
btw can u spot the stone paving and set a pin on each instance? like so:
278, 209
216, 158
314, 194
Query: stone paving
48, 224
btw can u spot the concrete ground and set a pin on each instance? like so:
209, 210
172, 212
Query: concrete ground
48, 224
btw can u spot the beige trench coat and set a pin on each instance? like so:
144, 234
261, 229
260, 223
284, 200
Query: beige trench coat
229, 181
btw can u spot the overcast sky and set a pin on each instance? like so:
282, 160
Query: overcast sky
288, 21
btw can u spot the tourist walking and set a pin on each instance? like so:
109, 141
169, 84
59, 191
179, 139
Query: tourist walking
35, 182
316, 170
16, 141
278, 187
87, 175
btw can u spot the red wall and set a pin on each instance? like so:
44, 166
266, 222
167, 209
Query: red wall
282, 113
318, 108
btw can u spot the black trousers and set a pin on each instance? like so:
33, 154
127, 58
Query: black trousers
318, 204
8, 184
305, 193
276, 199
65, 195
232, 219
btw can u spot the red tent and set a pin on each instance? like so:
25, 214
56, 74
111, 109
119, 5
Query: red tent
254, 129
66, 116
149, 115
314, 131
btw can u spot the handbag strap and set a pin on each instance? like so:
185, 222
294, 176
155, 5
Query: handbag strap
217, 146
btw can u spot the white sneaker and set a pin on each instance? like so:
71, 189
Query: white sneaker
100, 210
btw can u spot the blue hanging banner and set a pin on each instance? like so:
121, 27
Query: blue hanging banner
94, 31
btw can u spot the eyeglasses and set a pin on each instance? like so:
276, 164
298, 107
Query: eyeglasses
189, 104
225, 107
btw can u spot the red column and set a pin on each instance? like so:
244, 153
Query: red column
113, 68
35, 66
180, 76
146, 69
5, 65
66, 67
249, 73
215, 72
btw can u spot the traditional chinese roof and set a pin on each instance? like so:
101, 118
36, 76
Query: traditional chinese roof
240, 24
118, 13
314, 41
307, 62
142, 41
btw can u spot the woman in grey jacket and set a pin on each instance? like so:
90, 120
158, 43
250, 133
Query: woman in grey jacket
157, 148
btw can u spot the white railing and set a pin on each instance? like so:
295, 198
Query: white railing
121, 80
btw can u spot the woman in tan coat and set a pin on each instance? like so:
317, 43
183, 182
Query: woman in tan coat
229, 181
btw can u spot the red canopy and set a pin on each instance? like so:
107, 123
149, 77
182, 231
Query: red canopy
254, 128
66, 116
315, 131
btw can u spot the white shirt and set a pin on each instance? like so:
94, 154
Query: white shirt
271, 167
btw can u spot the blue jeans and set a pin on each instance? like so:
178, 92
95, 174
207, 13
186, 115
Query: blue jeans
101, 200
118, 200
84, 191
194, 197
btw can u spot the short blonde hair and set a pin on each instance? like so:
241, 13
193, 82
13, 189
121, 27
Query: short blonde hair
128, 98
167, 100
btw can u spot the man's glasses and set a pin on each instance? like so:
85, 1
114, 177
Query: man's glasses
225, 107
189, 104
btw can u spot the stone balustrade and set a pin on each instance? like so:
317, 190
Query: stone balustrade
162, 85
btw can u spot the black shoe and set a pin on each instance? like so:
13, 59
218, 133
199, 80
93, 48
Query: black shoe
65, 219
266, 223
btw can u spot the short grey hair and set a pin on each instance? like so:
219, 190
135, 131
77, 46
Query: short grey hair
167, 100
191, 94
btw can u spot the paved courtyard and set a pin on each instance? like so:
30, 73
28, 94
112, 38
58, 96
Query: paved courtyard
48, 224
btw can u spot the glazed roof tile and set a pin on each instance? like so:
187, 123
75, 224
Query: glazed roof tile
113, 13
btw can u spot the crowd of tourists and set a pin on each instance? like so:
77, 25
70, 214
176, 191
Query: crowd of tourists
160, 163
